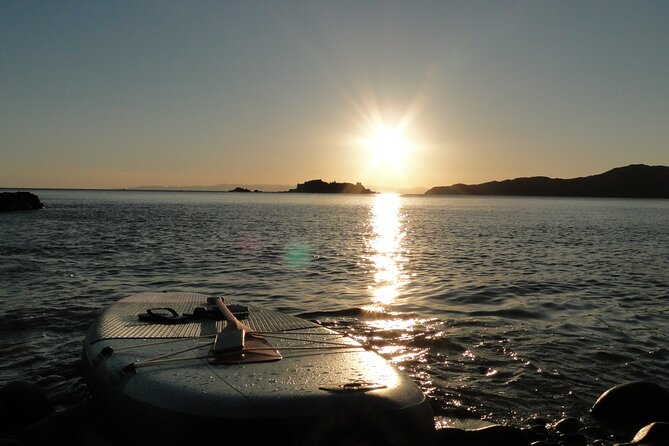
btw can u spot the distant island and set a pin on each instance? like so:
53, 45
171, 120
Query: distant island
243, 189
633, 181
321, 187
216, 188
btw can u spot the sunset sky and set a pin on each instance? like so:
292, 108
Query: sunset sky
394, 94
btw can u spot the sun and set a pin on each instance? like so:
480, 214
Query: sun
388, 147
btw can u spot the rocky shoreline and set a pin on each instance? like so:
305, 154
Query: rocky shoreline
635, 413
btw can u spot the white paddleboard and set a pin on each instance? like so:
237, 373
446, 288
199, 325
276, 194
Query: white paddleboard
158, 382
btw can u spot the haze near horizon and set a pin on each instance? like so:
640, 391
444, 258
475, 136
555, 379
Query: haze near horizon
392, 94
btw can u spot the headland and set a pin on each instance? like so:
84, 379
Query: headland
633, 181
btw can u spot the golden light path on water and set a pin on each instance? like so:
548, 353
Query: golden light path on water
385, 248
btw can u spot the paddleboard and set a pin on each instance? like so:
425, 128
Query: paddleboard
157, 378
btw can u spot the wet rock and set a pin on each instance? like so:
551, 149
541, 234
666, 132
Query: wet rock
49, 431
9, 440
539, 430
537, 421
655, 434
450, 435
595, 432
534, 436
568, 425
573, 440
59, 428
19, 201
628, 407
506, 435
491, 435
21, 404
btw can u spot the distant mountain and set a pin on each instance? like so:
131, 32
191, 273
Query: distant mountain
218, 187
633, 181
321, 187
417, 190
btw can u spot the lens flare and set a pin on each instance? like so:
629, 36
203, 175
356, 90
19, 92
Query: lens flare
297, 255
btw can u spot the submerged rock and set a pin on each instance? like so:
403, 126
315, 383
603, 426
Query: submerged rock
628, 407
19, 201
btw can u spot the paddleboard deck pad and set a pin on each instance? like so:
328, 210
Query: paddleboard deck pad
157, 381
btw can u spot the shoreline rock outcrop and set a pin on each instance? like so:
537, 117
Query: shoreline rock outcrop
19, 201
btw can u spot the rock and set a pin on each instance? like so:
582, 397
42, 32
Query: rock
573, 440
655, 434
56, 429
538, 430
628, 407
491, 435
19, 201
21, 404
595, 432
450, 435
568, 425
9, 440
321, 187
537, 421
63, 427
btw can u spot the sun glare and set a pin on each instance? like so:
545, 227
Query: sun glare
388, 146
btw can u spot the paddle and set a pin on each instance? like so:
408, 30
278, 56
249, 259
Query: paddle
233, 322
238, 343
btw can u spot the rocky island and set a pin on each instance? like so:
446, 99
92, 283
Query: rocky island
321, 187
243, 190
633, 181
19, 201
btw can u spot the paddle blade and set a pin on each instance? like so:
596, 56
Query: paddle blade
229, 341
256, 349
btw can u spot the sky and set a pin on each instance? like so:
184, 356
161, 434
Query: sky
394, 94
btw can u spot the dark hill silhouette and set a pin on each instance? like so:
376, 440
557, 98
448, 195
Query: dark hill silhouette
321, 187
633, 181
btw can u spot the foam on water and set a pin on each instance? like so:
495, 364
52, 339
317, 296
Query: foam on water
498, 307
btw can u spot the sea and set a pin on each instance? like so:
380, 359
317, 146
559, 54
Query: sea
499, 308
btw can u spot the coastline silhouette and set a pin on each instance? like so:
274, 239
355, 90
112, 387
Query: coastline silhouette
633, 181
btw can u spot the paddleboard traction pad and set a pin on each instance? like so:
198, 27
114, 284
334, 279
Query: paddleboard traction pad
120, 321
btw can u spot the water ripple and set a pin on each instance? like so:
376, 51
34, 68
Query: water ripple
499, 308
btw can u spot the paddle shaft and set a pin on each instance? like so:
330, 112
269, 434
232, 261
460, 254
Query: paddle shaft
233, 322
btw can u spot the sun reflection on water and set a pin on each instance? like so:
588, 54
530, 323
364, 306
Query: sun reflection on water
385, 249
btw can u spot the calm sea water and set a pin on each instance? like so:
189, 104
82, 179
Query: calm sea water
499, 308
